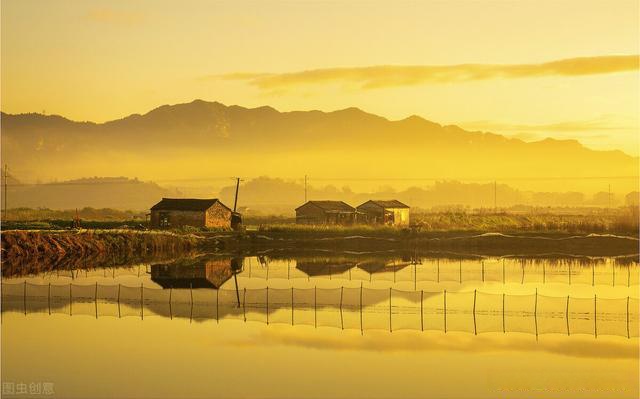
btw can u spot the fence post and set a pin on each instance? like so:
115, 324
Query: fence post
613, 268
191, 306
244, 304
482, 265
567, 316
118, 300
218, 305
593, 274
460, 278
569, 273
96, 299
475, 329
544, 273
503, 280
341, 316
70, 300
141, 300
445, 310
24, 297
438, 270
170, 306
421, 310
315, 306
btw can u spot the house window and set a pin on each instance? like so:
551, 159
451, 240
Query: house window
164, 219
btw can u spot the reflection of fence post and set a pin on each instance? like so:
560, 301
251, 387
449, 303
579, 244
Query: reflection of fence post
445, 310
567, 315
569, 273
49, 299
70, 300
361, 327
218, 305
628, 336
24, 297
595, 316
438, 270
544, 273
482, 265
291, 303
118, 300
535, 313
390, 309
460, 278
593, 274
244, 304
504, 330
170, 306
315, 306
267, 300
341, 317
475, 329
421, 310
613, 268
141, 300
503, 280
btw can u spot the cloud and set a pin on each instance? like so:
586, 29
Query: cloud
603, 123
114, 17
374, 77
403, 341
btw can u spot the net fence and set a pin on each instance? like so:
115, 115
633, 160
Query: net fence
347, 308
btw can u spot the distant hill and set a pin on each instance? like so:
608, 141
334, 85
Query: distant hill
97, 192
201, 138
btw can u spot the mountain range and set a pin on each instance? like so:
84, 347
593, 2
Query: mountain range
208, 139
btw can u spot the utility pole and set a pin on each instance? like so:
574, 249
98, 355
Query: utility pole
305, 189
6, 175
495, 197
235, 201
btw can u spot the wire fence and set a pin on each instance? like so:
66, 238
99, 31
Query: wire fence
346, 308
434, 270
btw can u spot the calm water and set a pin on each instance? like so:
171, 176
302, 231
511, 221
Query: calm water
327, 325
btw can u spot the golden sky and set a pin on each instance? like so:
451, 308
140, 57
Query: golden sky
531, 69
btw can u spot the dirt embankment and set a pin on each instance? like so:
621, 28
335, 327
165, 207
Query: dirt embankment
487, 243
22, 247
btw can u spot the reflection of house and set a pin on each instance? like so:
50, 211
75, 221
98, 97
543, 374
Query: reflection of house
381, 266
178, 212
325, 212
197, 273
391, 212
323, 267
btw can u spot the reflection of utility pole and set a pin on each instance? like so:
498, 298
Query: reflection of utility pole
609, 196
305, 189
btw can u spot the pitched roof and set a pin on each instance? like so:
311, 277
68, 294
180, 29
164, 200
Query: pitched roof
185, 204
387, 204
331, 206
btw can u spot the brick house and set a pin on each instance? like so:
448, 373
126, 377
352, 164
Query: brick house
178, 212
325, 212
392, 212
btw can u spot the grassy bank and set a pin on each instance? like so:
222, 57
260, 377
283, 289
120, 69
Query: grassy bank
18, 244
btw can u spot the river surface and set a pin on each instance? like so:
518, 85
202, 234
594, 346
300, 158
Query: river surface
323, 324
